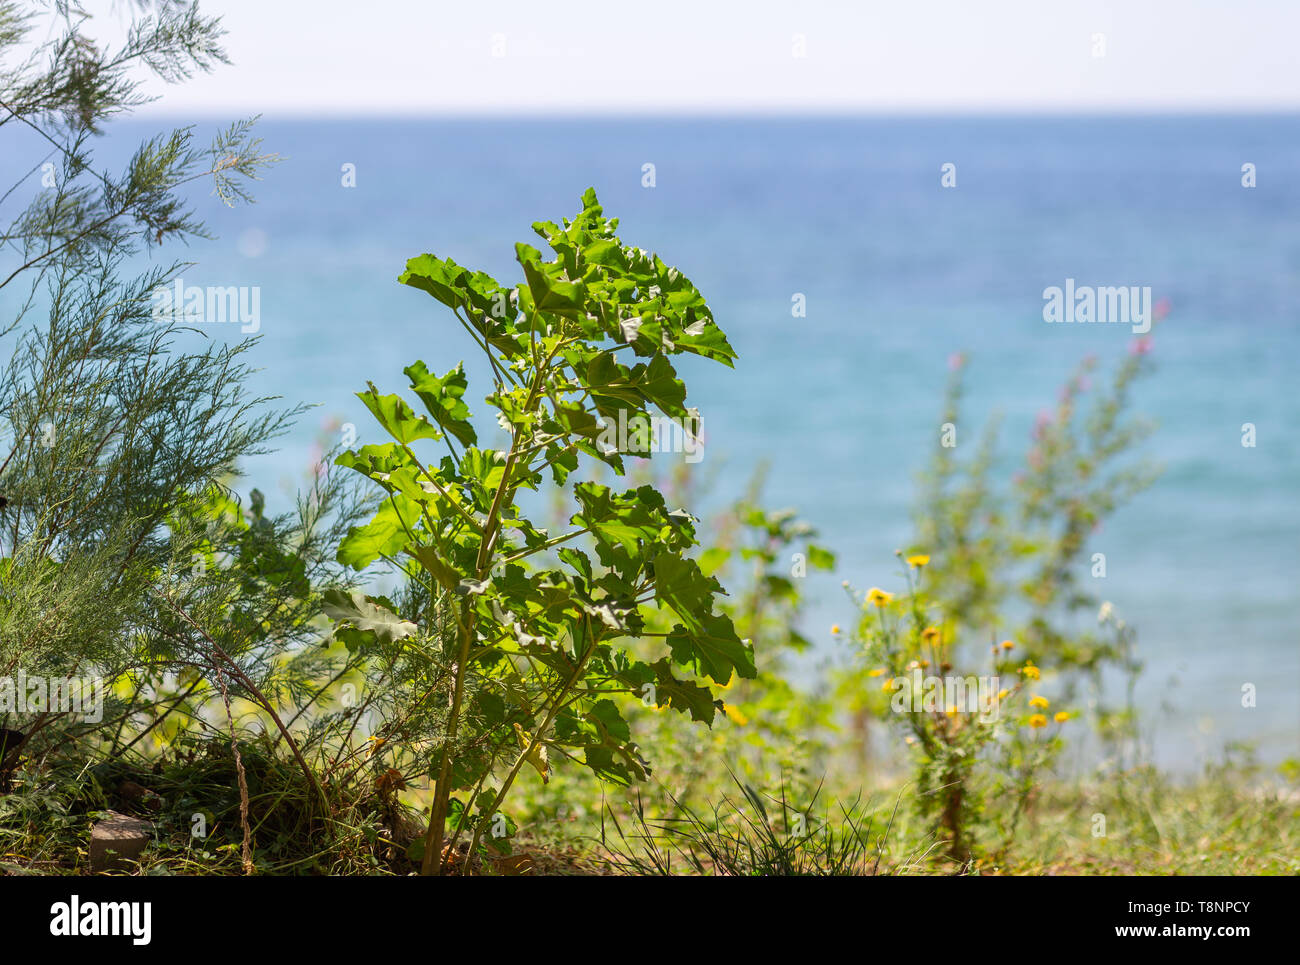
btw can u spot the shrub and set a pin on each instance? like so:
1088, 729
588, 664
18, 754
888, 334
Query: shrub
530, 661
1003, 561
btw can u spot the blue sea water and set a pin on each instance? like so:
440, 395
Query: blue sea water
898, 273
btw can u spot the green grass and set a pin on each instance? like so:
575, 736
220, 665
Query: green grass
1234, 819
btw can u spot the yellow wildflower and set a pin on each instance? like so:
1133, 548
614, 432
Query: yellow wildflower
835, 628
1041, 703
734, 713
1007, 644
1030, 671
929, 634
1062, 716
1003, 694
879, 597
877, 672
918, 560
1038, 720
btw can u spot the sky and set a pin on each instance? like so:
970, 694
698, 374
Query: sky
407, 57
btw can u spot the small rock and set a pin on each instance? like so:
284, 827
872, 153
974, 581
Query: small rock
118, 839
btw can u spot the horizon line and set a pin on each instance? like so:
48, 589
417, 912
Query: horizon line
723, 113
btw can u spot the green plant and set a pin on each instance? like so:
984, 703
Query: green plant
760, 835
1004, 561
105, 425
965, 730
125, 556
1016, 553
532, 656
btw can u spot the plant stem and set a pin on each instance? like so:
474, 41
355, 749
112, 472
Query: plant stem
431, 864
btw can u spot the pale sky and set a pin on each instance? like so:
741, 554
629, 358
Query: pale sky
347, 57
